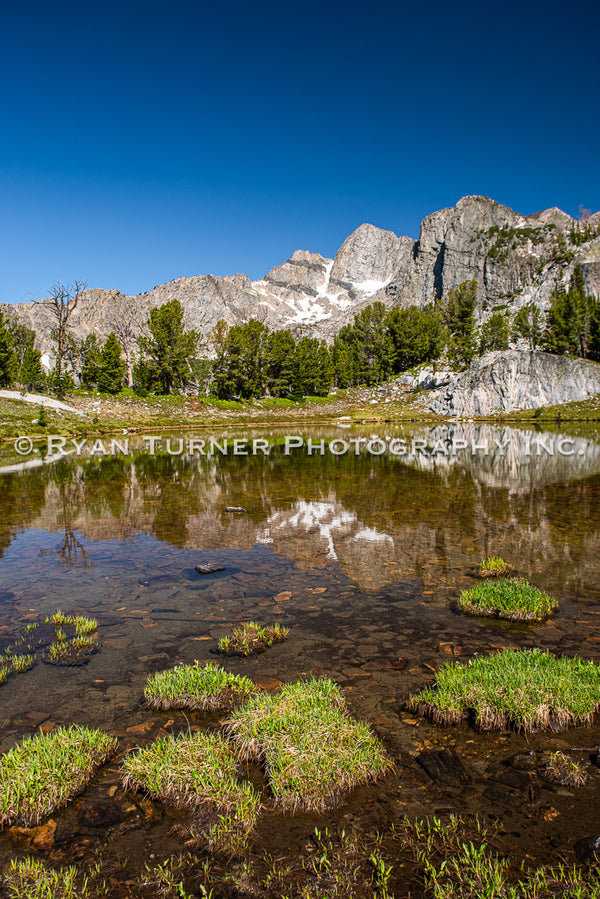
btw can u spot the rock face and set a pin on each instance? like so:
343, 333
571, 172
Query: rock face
514, 259
517, 379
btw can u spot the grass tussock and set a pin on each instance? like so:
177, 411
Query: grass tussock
495, 566
44, 772
59, 640
562, 770
525, 689
30, 878
199, 772
73, 643
510, 598
312, 750
207, 688
80, 624
251, 637
73, 651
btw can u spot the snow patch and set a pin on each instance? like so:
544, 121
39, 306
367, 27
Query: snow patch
370, 286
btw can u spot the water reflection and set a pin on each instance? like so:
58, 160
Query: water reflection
458, 493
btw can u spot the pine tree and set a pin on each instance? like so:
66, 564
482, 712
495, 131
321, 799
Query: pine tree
90, 360
7, 353
573, 320
527, 323
112, 367
494, 333
171, 350
460, 319
417, 335
218, 340
280, 362
31, 374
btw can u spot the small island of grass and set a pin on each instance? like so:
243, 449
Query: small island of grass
495, 566
251, 637
198, 771
520, 688
312, 749
207, 688
510, 598
45, 772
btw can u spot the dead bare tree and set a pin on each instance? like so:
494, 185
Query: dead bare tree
62, 302
126, 324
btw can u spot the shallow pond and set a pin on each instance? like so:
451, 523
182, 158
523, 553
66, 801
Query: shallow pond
360, 551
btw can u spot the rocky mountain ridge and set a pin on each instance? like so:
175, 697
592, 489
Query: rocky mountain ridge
514, 259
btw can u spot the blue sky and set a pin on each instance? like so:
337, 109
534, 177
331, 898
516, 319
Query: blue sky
147, 141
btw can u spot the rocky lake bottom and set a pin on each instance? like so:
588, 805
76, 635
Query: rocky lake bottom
362, 557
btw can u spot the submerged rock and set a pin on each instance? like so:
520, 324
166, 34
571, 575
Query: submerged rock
443, 766
208, 568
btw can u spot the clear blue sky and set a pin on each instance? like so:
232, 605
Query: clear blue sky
146, 141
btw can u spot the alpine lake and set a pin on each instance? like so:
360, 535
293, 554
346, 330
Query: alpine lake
362, 553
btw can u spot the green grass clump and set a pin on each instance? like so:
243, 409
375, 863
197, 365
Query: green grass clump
562, 770
494, 566
15, 665
64, 640
76, 651
44, 772
312, 750
80, 623
523, 688
198, 772
510, 598
195, 687
30, 878
251, 638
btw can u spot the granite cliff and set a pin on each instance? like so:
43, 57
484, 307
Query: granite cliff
514, 259
504, 381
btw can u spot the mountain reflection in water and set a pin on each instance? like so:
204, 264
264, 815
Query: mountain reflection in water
382, 519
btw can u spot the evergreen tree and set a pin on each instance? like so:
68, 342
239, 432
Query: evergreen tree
7, 353
494, 333
218, 340
281, 362
23, 340
112, 367
171, 350
90, 359
31, 374
460, 319
371, 348
527, 323
244, 364
314, 368
418, 335
573, 320
345, 363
